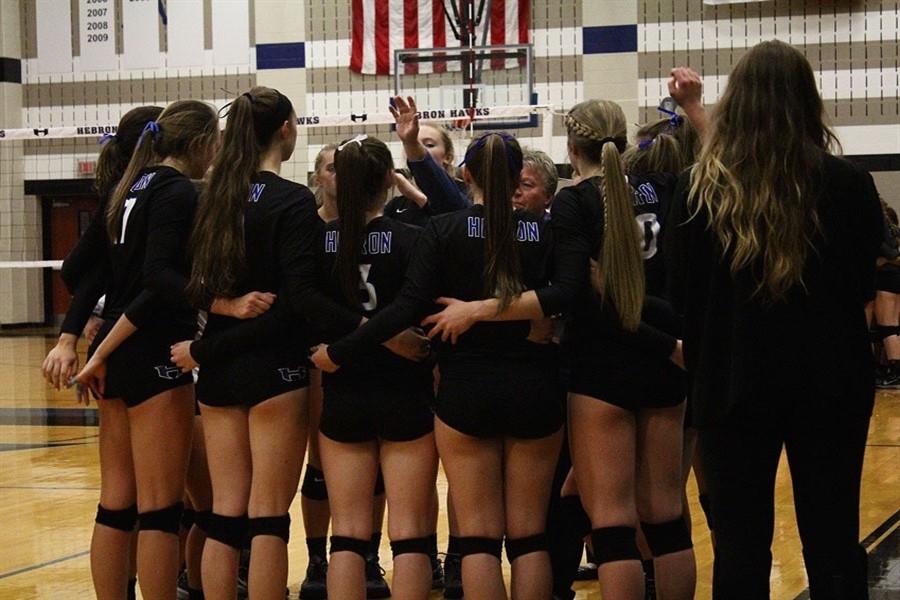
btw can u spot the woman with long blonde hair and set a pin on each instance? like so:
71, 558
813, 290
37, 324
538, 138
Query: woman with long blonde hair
772, 262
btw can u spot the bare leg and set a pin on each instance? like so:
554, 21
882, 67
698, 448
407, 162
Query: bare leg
660, 440
111, 555
227, 436
474, 469
529, 466
161, 430
350, 471
605, 469
410, 469
277, 430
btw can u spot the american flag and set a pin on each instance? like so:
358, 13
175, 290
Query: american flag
382, 26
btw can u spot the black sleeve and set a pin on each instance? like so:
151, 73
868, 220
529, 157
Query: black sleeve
247, 334
91, 250
297, 241
299, 262
675, 245
88, 291
434, 181
869, 228
420, 288
169, 228
571, 255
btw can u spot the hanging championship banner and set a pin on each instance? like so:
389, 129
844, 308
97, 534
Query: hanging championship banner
140, 34
96, 30
184, 32
54, 37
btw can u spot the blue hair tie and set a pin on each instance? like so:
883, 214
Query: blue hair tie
152, 127
675, 120
515, 166
646, 143
106, 137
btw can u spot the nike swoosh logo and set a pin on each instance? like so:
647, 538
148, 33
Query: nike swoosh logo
401, 211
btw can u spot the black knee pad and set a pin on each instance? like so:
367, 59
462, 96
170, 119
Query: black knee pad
379, 484
575, 515
231, 531
706, 505
516, 547
279, 526
879, 332
340, 543
123, 520
667, 538
166, 519
201, 519
612, 544
188, 518
420, 545
314, 484
480, 545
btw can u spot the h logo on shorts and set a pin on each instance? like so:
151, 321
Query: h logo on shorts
290, 375
167, 372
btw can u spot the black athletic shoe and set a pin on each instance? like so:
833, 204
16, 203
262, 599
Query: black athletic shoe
453, 589
437, 573
183, 593
314, 587
889, 380
586, 572
376, 586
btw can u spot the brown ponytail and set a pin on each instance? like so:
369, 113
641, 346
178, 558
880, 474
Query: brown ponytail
361, 166
495, 163
597, 129
183, 128
217, 242
117, 150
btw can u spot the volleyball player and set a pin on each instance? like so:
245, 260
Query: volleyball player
85, 269
414, 206
377, 412
497, 418
625, 412
250, 234
314, 493
775, 238
147, 406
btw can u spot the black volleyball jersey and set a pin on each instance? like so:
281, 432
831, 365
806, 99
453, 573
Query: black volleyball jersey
386, 252
449, 261
592, 325
281, 232
148, 258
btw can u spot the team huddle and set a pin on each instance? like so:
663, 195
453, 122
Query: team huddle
526, 334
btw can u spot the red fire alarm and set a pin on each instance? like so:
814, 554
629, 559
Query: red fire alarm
86, 167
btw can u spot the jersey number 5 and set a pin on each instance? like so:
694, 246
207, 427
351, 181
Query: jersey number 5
368, 288
650, 230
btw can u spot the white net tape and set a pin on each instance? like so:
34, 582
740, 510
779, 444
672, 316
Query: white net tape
31, 264
306, 121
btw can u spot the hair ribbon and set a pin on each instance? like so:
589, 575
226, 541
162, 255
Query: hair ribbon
359, 139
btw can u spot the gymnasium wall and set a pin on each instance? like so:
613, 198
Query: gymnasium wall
853, 46
616, 49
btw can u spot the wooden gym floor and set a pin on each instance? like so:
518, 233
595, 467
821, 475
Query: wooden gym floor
49, 486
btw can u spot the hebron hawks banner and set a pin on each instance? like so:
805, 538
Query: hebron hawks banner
382, 26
